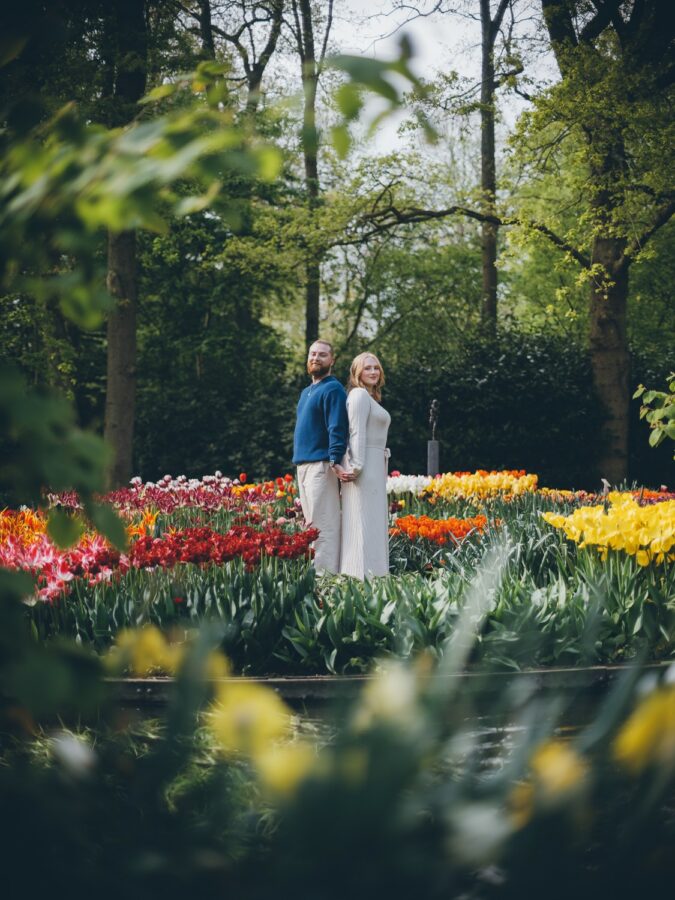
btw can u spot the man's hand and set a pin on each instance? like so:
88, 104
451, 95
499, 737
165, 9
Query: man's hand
344, 474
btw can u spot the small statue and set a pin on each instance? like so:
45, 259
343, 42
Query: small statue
433, 418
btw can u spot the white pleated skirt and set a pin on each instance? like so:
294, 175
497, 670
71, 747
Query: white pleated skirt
365, 519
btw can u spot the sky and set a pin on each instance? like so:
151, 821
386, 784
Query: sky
370, 27
441, 43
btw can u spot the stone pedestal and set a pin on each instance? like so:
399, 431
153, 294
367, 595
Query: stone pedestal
433, 458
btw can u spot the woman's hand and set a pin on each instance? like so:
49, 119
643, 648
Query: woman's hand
344, 474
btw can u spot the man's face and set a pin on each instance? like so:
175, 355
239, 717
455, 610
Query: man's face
319, 360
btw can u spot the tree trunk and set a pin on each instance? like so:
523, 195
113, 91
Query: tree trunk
610, 359
488, 169
608, 334
121, 387
206, 30
131, 75
254, 75
310, 147
608, 338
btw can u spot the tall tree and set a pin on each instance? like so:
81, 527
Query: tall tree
245, 25
206, 29
311, 66
130, 54
617, 75
616, 64
490, 27
498, 65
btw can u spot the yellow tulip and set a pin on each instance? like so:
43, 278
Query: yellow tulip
648, 736
247, 717
557, 769
645, 532
282, 768
145, 651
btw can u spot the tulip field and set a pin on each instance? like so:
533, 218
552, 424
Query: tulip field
488, 572
572, 577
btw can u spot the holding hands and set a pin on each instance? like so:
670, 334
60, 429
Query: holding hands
344, 474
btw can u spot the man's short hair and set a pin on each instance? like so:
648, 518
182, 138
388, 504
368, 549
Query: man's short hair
327, 343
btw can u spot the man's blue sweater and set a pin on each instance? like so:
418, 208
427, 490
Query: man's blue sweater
321, 427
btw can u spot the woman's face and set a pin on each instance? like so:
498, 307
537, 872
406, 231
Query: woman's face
371, 371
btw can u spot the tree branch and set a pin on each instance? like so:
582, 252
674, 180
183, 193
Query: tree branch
329, 23
662, 216
499, 81
298, 32
363, 301
523, 94
496, 23
391, 216
606, 13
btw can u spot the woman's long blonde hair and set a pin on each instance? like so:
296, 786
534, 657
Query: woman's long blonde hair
355, 371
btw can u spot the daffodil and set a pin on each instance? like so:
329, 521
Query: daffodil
248, 717
557, 769
557, 773
281, 768
648, 736
389, 697
145, 651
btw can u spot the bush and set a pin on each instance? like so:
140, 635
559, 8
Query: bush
516, 400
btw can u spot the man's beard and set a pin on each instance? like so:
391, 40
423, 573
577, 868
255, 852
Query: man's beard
316, 370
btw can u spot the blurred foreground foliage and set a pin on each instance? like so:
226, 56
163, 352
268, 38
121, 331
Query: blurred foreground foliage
398, 803
227, 793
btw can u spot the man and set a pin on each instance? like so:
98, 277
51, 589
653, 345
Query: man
320, 442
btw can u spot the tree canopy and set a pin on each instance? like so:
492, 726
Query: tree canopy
251, 214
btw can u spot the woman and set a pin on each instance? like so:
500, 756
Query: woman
365, 531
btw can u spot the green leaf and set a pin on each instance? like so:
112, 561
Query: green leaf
108, 523
349, 100
64, 528
269, 161
11, 46
159, 93
15, 586
341, 140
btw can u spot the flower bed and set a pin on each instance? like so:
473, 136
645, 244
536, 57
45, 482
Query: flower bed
255, 523
481, 485
438, 531
237, 552
645, 532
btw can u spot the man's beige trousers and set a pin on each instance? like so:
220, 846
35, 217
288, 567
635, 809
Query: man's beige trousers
320, 500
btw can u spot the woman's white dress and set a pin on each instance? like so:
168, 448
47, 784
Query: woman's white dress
365, 519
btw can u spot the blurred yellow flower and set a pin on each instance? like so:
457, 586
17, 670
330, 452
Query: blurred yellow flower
557, 769
145, 651
557, 772
521, 804
218, 665
247, 717
648, 736
389, 697
282, 768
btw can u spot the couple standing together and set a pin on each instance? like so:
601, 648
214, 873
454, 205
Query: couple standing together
341, 454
